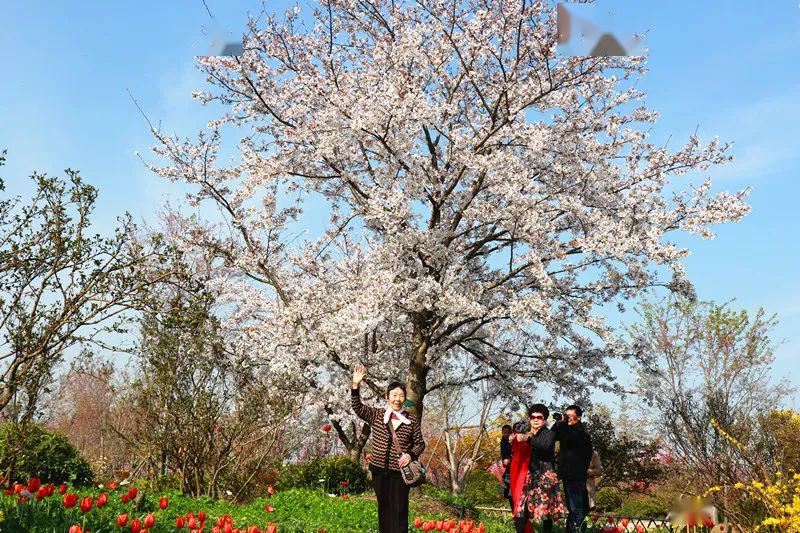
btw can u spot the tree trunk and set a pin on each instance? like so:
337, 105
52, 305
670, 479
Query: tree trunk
416, 385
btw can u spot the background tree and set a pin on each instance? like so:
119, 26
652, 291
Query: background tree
81, 407
483, 194
61, 286
630, 460
201, 413
463, 442
712, 363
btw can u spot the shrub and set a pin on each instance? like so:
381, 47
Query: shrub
443, 495
43, 454
607, 499
648, 506
332, 470
483, 489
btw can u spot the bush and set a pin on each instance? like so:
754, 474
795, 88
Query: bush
483, 489
43, 454
443, 495
647, 506
332, 470
607, 499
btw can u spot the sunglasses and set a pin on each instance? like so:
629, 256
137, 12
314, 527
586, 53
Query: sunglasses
540, 417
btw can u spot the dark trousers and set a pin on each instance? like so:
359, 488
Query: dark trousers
392, 494
507, 487
577, 504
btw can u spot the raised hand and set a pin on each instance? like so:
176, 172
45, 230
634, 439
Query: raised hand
358, 375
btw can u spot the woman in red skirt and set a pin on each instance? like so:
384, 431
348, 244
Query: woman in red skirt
520, 459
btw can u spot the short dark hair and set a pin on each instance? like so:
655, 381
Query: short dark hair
395, 385
578, 410
539, 408
507, 426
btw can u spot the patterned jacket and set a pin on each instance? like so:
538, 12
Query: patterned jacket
408, 433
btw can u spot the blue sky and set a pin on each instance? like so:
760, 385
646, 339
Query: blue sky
725, 69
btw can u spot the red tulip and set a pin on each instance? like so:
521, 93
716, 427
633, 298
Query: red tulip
418, 522
131, 493
268, 508
595, 518
640, 528
271, 490
122, 520
481, 528
145, 530
201, 516
70, 500
440, 525
136, 525
9, 491
22, 499
326, 428
624, 522
125, 498
707, 521
86, 503
192, 522
75, 529
345, 497
34, 483
610, 520
149, 520
102, 499
180, 522
18, 488
272, 528
113, 485
620, 529
62, 489
344, 483
163, 503
216, 529
227, 529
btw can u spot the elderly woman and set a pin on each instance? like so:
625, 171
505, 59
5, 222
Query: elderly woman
385, 463
540, 499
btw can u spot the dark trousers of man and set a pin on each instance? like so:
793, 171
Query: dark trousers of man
507, 487
577, 504
392, 494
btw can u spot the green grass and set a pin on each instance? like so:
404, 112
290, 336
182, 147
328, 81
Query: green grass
296, 511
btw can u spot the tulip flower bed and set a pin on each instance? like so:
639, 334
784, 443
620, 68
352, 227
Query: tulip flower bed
44, 508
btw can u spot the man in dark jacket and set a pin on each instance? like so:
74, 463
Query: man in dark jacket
505, 457
575, 454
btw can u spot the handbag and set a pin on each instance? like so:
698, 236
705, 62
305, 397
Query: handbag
414, 472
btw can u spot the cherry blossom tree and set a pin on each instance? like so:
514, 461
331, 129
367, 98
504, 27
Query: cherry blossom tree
432, 175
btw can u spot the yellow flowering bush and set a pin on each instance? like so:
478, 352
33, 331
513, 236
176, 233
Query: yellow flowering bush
778, 493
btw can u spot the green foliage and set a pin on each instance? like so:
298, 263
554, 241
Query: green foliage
483, 488
332, 470
649, 506
607, 499
43, 454
443, 495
